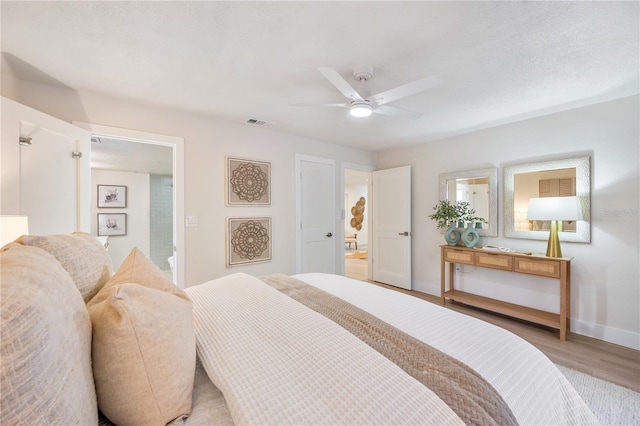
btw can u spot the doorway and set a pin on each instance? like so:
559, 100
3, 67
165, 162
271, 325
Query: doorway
357, 208
153, 164
143, 175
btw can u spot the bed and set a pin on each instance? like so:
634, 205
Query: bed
289, 340
84, 345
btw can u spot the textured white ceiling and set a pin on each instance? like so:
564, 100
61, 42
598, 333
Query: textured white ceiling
498, 61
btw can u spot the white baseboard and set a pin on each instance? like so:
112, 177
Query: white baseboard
620, 337
614, 335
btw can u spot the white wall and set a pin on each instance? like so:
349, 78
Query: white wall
137, 212
605, 273
207, 143
605, 292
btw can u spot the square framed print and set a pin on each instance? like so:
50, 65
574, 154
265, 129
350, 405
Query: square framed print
248, 240
248, 182
112, 196
112, 224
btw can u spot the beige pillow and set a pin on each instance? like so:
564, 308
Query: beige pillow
143, 346
136, 268
45, 339
82, 255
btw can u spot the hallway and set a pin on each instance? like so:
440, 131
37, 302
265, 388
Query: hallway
356, 264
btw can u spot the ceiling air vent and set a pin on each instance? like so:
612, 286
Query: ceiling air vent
256, 122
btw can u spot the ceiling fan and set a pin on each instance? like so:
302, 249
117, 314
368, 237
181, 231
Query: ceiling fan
362, 105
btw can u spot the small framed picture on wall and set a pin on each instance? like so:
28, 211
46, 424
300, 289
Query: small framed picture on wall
248, 182
112, 224
248, 240
112, 196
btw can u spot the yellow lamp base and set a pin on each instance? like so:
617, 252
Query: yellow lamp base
553, 246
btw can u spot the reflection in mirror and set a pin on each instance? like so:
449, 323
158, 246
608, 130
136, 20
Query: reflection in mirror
480, 189
547, 183
558, 178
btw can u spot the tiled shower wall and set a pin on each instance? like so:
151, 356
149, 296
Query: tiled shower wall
161, 220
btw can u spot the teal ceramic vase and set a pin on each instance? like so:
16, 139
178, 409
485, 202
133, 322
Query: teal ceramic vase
469, 236
452, 235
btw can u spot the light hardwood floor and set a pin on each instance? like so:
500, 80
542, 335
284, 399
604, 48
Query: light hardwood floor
597, 358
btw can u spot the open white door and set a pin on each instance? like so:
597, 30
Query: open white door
315, 193
391, 207
47, 177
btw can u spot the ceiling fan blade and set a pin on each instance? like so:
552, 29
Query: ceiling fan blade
397, 112
322, 105
405, 90
340, 83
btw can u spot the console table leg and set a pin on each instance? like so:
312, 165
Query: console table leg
442, 269
565, 300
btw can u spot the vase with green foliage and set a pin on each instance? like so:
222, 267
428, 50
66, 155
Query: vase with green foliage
448, 215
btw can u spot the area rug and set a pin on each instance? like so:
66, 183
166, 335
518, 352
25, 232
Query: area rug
612, 404
357, 255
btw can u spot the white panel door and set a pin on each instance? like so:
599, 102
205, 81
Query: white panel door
315, 211
391, 207
53, 185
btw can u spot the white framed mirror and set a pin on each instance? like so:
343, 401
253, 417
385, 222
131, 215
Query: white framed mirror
562, 177
480, 189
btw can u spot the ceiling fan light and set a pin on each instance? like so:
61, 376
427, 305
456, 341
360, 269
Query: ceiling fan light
360, 110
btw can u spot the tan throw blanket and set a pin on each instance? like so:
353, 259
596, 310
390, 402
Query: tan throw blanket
469, 395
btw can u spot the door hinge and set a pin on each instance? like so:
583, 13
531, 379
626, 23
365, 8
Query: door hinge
25, 141
76, 154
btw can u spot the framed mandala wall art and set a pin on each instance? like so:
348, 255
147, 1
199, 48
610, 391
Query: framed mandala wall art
248, 240
248, 182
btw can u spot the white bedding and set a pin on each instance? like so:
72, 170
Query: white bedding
537, 392
278, 362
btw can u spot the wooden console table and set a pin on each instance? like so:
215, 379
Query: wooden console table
551, 267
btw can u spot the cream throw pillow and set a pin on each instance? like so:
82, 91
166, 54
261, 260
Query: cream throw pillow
81, 255
143, 346
137, 268
45, 341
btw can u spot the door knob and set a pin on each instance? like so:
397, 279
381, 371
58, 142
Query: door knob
329, 234
405, 233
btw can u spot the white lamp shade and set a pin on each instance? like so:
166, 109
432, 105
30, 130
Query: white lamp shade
554, 208
12, 227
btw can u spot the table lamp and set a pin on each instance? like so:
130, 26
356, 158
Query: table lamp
12, 227
554, 209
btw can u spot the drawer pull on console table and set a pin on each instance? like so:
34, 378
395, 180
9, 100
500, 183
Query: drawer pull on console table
550, 267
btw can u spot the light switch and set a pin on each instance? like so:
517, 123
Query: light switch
191, 220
